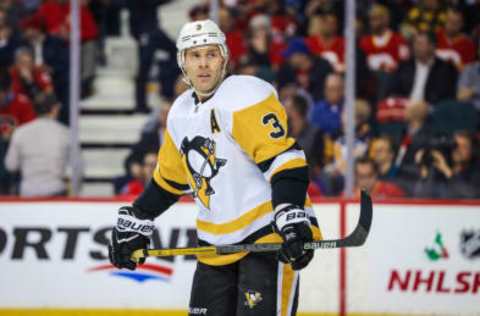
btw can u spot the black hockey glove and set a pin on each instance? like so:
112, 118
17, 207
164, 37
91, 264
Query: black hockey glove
292, 223
131, 233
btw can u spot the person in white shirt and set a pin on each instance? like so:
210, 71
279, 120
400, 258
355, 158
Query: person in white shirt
39, 151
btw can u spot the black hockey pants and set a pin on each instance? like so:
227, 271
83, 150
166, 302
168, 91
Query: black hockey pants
257, 285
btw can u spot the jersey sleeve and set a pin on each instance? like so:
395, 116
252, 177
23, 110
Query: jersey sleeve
261, 130
169, 174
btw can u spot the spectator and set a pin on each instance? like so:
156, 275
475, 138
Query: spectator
307, 136
449, 171
39, 150
326, 114
383, 47
366, 178
324, 41
302, 68
55, 16
52, 53
136, 185
453, 45
468, 89
363, 135
425, 16
417, 133
145, 29
28, 78
382, 152
425, 77
15, 110
14, 107
236, 40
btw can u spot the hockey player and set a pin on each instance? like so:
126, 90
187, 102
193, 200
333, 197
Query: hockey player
226, 143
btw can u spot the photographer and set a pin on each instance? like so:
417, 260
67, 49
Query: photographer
448, 168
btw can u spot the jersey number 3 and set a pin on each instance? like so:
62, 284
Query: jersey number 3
278, 130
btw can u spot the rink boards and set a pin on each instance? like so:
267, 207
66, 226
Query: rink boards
421, 258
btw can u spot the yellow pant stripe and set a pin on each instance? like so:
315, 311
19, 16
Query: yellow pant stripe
288, 278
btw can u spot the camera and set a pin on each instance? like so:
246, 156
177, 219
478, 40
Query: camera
445, 144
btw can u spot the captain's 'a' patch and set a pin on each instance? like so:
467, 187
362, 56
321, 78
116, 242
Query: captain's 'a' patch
214, 123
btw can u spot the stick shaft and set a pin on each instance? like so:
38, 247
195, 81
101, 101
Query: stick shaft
355, 239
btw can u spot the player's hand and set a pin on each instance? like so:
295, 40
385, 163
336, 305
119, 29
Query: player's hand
292, 223
129, 234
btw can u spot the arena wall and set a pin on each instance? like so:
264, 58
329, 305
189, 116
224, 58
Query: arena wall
421, 258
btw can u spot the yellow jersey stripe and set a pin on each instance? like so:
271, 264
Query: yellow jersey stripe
237, 224
165, 185
291, 164
170, 164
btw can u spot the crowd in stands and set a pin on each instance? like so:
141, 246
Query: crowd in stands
34, 91
417, 107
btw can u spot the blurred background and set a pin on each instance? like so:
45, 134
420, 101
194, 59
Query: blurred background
416, 90
382, 95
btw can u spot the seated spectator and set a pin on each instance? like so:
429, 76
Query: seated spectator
468, 89
14, 107
323, 40
425, 16
39, 151
326, 114
136, 186
417, 132
425, 77
307, 136
382, 152
449, 172
303, 69
363, 133
28, 78
336, 151
366, 178
383, 47
453, 45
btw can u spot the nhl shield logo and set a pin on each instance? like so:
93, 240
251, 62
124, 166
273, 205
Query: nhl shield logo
199, 155
470, 244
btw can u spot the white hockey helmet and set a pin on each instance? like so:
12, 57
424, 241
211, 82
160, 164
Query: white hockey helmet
200, 33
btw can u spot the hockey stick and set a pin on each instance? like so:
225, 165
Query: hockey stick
355, 239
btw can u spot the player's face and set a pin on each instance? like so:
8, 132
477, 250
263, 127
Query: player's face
203, 66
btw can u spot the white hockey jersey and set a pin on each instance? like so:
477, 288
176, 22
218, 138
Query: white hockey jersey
213, 150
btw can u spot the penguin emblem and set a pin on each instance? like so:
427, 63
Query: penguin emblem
199, 155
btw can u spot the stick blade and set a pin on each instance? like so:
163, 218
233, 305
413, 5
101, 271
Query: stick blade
360, 234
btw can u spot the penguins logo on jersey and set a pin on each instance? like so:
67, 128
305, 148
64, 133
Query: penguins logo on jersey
199, 155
